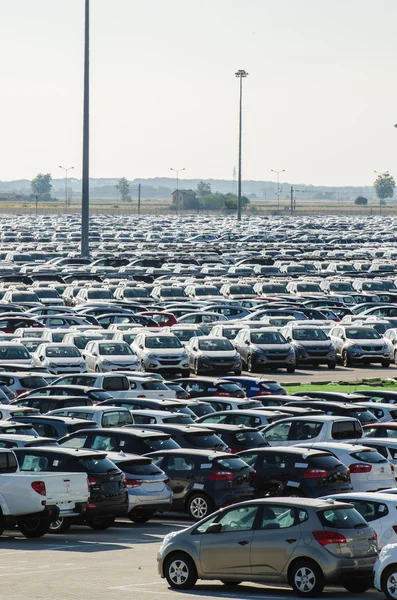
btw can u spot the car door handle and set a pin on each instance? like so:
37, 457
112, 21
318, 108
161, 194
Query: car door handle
243, 542
290, 540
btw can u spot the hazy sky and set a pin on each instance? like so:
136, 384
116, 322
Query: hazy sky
320, 100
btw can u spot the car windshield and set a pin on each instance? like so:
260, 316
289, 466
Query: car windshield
267, 337
241, 289
114, 349
14, 353
362, 334
163, 341
309, 335
172, 292
184, 335
161, 443
135, 293
100, 295
215, 345
207, 291
62, 352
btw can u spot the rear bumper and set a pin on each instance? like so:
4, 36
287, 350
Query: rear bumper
157, 501
116, 506
156, 507
361, 568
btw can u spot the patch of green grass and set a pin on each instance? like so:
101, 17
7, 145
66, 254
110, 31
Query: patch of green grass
354, 387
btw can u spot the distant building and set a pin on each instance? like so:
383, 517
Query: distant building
184, 198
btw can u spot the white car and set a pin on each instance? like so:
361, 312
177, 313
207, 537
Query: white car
104, 356
385, 572
385, 446
300, 431
151, 417
379, 510
383, 411
59, 358
161, 352
13, 352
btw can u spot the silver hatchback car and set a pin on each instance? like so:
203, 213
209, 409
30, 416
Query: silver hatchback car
306, 543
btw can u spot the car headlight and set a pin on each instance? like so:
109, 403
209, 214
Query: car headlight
356, 347
106, 362
204, 357
52, 365
153, 356
169, 537
291, 351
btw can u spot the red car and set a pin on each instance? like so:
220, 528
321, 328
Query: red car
163, 319
11, 324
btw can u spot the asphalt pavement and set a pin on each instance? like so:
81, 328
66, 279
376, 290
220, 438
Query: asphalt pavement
322, 374
119, 563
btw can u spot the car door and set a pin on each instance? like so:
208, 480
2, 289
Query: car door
181, 471
337, 340
87, 355
228, 552
276, 539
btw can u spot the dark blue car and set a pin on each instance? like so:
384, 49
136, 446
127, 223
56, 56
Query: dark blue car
256, 386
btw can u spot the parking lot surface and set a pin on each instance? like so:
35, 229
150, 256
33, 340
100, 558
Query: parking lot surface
116, 564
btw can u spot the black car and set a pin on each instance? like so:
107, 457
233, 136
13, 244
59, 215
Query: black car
92, 393
340, 409
333, 396
377, 395
130, 440
54, 427
189, 436
108, 492
47, 403
291, 471
143, 403
238, 437
203, 481
249, 418
205, 386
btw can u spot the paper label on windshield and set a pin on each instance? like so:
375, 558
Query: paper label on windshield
206, 466
301, 465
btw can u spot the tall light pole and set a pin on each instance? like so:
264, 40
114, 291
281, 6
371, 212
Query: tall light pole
177, 171
278, 187
66, 169
240, 74
85, 200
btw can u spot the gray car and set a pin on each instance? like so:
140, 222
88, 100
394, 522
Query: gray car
260, 348
311, 345
360, 345
306, 543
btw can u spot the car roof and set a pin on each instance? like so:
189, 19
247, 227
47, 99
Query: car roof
381, 441
46, 417
133, 431
315, 503
174, 428
93, 409
77, 452
336, 445
290, 450
324, 418
231, 427
193, 452
379, 496
388, 425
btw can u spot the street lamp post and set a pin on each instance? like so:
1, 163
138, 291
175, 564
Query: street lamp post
240, 74
66, 169
278, 187
85, 200
177, 171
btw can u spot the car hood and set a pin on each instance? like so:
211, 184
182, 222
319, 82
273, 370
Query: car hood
313, 343
120, 358
223, 354
273, 347
365, 342
167, 351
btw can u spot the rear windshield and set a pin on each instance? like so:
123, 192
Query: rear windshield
20, 430
369, 456
341, 518
78, 426
198, 440
323, 462
229, 387
178, 421
154, 385
100, 396
250, 439
270, 386
154, 444
232, 464
364, 416
32, 383
98, 465
136, 468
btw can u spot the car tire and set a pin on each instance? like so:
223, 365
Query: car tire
346, 360
196, 368
251, 364
291, 368
385, 364
142, 516
238, 372
180, 571
306, 578
332, 365
185, 373
143, 367
97, 370
389, 582
358, 586
33, 528
60, 525
199, 506
99, 523
395, 357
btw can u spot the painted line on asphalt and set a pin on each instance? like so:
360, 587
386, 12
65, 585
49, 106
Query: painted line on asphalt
74, 568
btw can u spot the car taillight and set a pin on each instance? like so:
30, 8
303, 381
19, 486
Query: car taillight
263, 393
221, 476
360, 468
18, 392
222, 394
39, 487
329, 537
392, 467
234, 450
133, 483
315, 473
92, 481
141, 396
166, 481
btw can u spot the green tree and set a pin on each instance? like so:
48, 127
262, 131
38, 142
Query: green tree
124, 188
42, 185
203, 189
361, 201
384, 187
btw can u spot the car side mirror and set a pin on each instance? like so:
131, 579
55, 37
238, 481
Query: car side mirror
41, 357
247, 342
214, 528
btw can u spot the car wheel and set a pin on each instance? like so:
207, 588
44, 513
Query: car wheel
357, 586
385, 364
142, 516
332, 365
346, 360
180, 571
33, 528
389, 582
60, 525
395, 357
306, 578
185, 373
291, 368
196, 368
198, 506
251, 366
100, 524
238, 372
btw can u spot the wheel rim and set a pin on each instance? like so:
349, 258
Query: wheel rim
178, 572
198, 508
56, 524
392, 585
305, 580
32, 525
